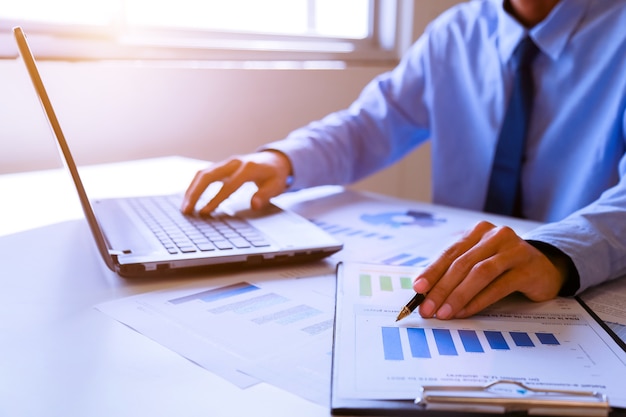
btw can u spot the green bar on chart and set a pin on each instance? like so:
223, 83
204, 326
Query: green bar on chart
365, 285
385, 283
406, 283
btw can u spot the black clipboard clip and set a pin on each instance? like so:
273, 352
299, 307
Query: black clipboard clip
505, 396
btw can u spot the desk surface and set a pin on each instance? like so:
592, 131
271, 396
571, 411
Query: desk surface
59, 356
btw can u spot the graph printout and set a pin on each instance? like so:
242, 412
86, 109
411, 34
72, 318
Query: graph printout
551, 345
390, 231
250, 327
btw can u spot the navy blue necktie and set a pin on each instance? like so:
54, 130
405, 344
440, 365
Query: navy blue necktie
504, 192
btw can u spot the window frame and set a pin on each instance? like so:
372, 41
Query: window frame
51, 41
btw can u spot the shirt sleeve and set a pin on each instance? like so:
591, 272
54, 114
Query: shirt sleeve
388, 119
594, 237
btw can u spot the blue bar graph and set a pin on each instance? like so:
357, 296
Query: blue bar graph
396, 258
496, 340
470, 341
392, 346
522, 339
418, 343
414, 261
445, 344
217, 293
339, 229
547, 339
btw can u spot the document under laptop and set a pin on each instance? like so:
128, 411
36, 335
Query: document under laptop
146, 236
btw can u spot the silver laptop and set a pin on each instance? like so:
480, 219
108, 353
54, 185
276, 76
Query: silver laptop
146, 236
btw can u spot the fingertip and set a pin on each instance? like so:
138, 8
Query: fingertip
420, 285
255, 202
427, 308
444, 312
189, 203
258, 202
207, 210
186, 207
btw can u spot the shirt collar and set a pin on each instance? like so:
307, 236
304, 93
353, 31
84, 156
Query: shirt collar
551, 35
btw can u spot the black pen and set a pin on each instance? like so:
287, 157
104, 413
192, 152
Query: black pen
411, 306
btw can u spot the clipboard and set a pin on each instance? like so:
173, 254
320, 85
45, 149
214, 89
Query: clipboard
513, 397
499, 396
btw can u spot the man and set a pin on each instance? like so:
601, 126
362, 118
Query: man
453, 87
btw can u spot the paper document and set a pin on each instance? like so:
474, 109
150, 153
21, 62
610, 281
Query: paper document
390, 231
249, 327
608, 301
555, 344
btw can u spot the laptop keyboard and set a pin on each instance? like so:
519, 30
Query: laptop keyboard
185, 234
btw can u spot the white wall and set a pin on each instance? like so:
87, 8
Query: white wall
113, 111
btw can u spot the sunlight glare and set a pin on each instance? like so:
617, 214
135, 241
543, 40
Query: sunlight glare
62, 11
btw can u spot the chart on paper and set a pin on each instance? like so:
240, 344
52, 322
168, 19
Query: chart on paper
384, 230
395, 236
249, 328
478, 352
446, 341
515, 339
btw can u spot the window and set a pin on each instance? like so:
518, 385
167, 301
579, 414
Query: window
204, 29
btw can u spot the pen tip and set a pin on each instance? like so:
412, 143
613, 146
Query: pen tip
403, 314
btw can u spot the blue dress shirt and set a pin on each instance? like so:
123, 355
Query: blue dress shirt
452, 87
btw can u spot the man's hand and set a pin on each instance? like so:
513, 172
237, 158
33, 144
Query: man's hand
269, 170
485, 265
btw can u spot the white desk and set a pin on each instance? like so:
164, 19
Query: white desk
61, 357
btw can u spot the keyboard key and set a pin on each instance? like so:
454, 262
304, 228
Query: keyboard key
259, 243
239, 242
187, 249
206, 247
222, 244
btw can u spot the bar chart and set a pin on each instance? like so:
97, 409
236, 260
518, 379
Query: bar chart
370, 284
218, 293
404, 341
352, 231
256, 305
471, 341
515, 339
427, 342
273, 328
406, 259
470, 351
